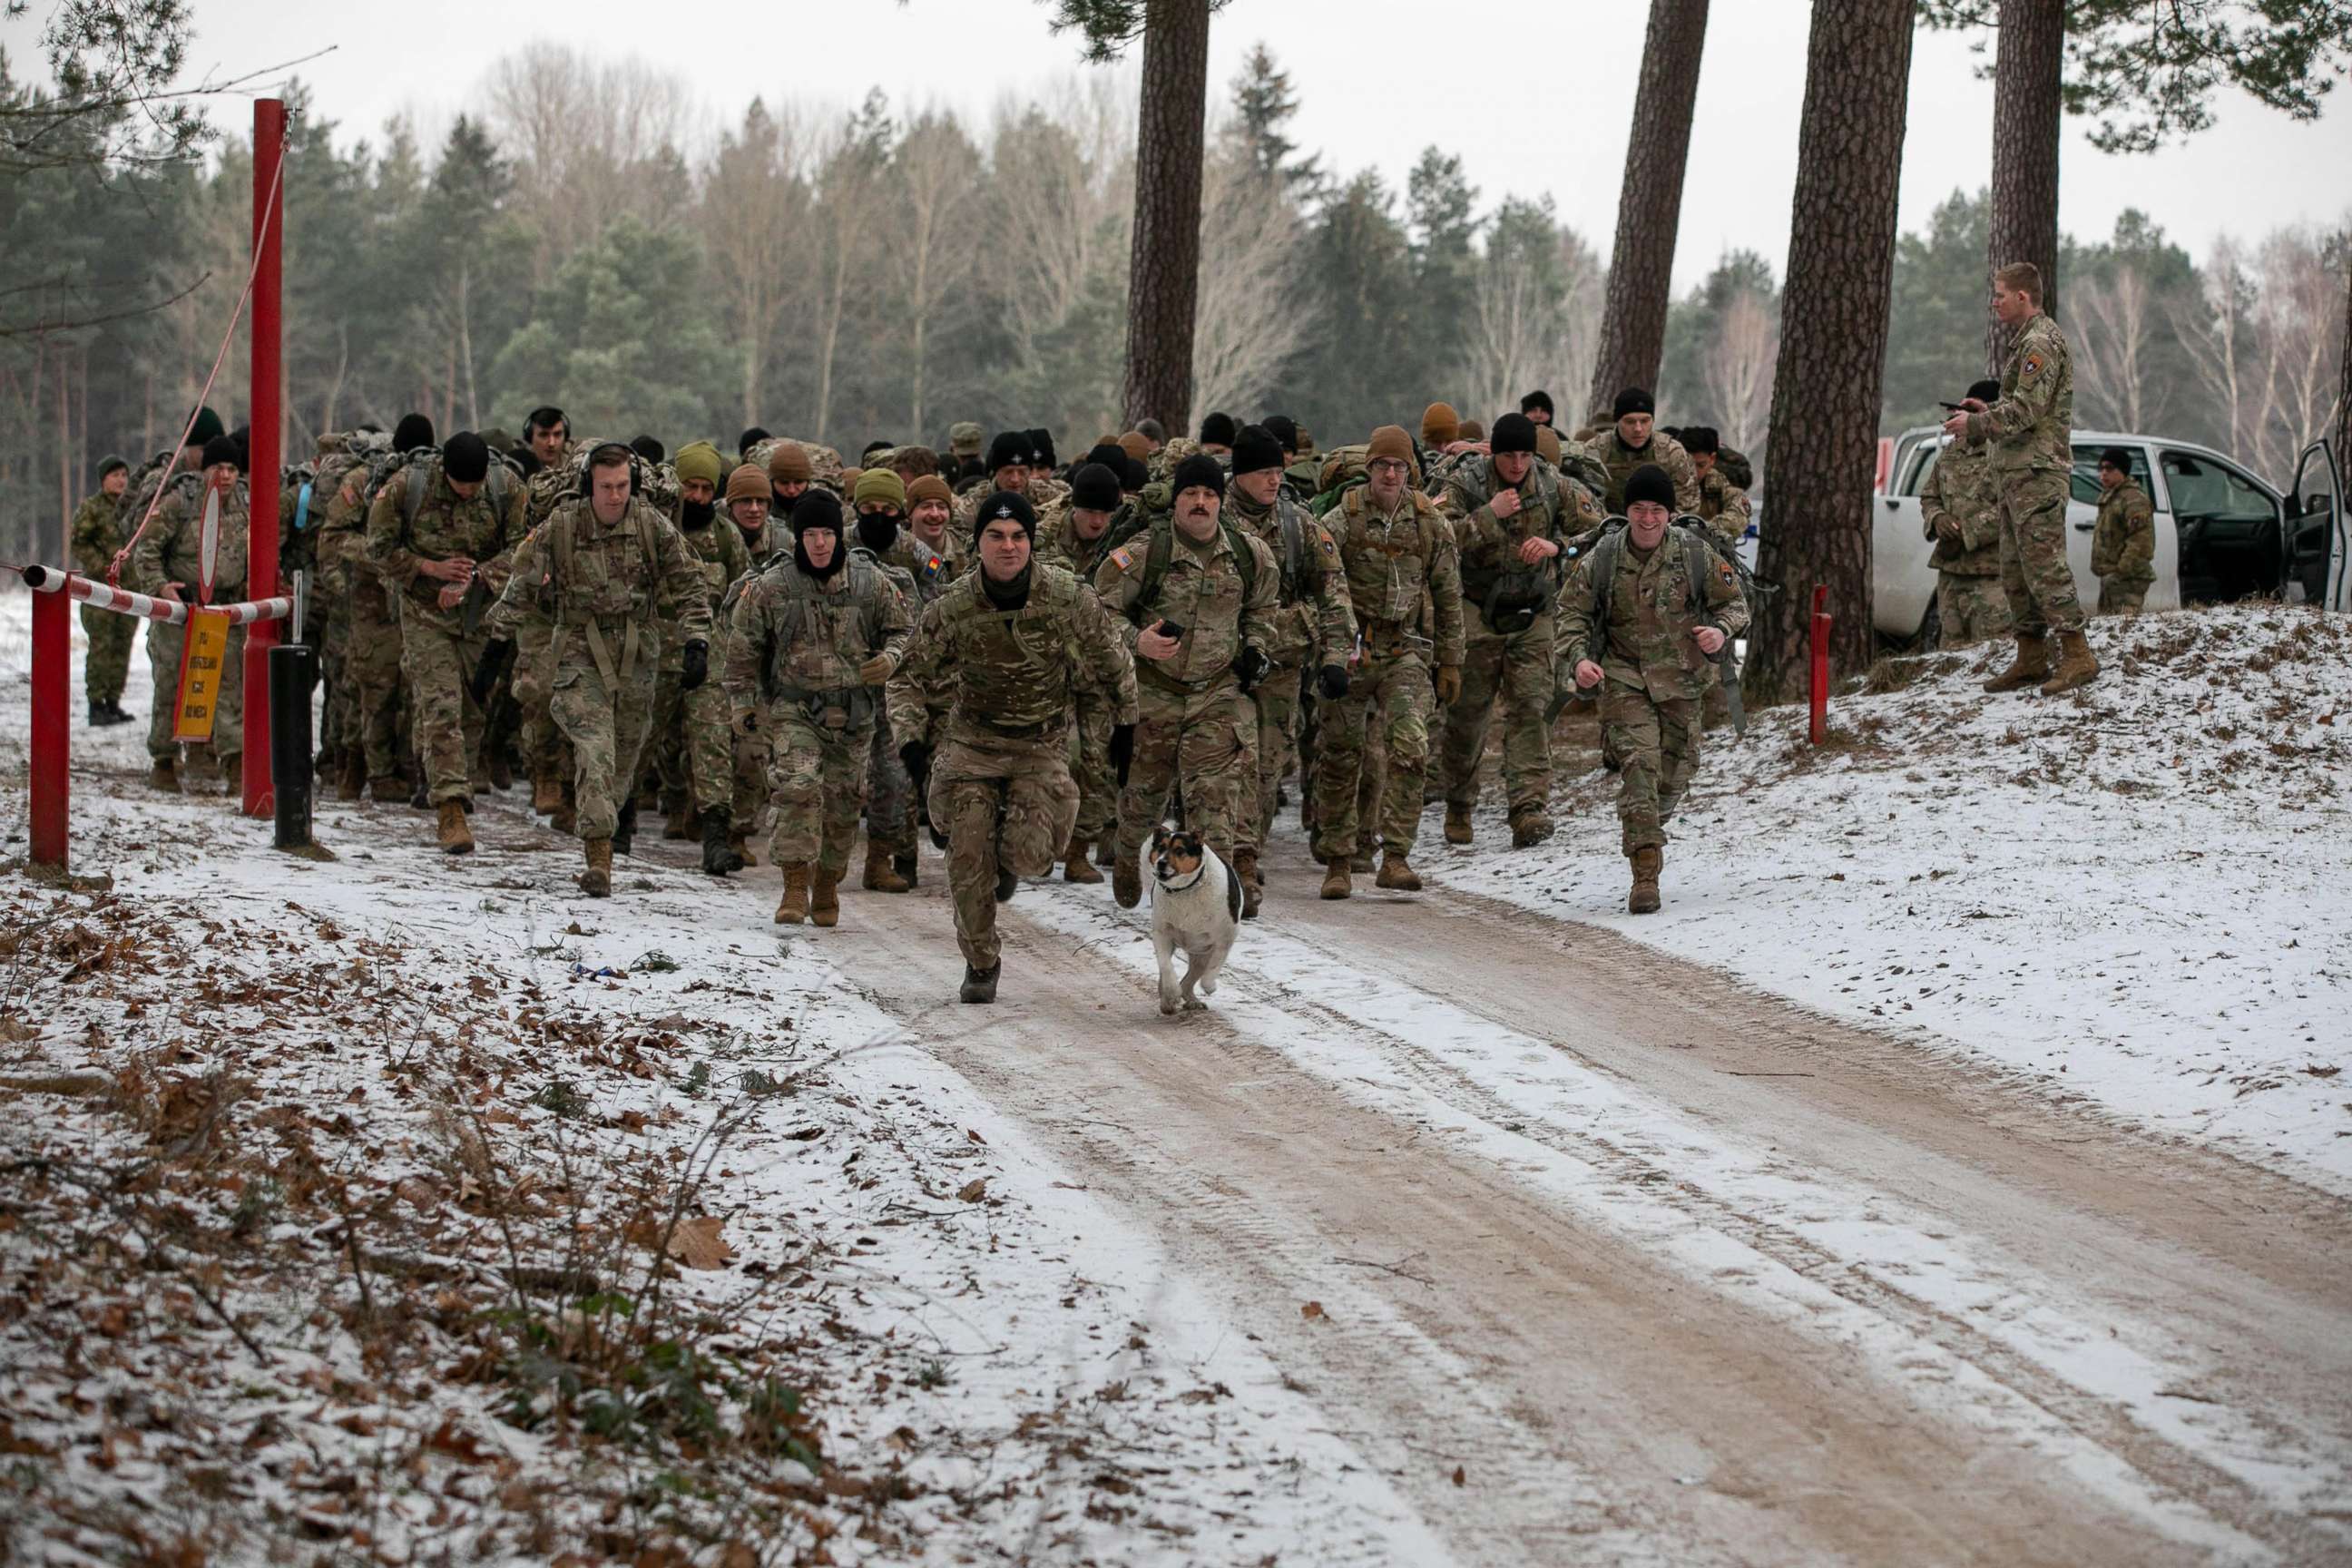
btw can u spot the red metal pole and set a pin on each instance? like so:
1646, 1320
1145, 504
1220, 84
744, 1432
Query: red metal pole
52, 725
268, 394
1820, 728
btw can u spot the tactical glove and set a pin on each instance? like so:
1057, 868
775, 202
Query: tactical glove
874, 670
497, 658
1332, 682
1449, 684
697, 666
746, 723
1122, 750
1253, 664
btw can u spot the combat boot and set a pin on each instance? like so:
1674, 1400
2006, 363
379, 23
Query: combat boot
881, 877
1007, 884
909, 867
1457, 824
2033, 664
163, 774
456, 837
232, 769
596, 882
1361, 862
2077, 665
1127, 881
739, 843
625, 830
352, 784
546, 793
1077, 865
1253, 892
1397, 873
1336, 883
824, 899
979, 985
1529, 826
719, 857
99, 717
386, 788
677, 819
1107, 850
565, 820
501, 771
794, 907
1648, 861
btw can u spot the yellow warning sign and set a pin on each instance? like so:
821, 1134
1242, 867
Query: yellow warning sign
203, 653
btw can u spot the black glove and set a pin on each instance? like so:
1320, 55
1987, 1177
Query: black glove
1253, 666
1122, 750
697, 666
497, 658
1331, 680
917, 757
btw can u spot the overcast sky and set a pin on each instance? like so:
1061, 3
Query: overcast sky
1377, 82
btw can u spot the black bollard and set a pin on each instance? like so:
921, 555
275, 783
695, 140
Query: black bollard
291, 675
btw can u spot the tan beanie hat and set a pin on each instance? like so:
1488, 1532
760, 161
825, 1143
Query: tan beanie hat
1440, 423
1390, 441
1547, 445
1136, 445
747, 482
929, 487
789, 461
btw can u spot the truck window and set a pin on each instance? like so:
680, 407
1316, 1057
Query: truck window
2208, 488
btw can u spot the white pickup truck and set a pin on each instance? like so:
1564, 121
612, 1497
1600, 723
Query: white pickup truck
2220, 533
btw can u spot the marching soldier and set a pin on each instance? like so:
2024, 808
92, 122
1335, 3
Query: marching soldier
97, 539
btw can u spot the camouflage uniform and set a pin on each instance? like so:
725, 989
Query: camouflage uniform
330, 589
2030, 431
1969, 604
373, 663
1196, 731
1058, 544
1610, 450
599, 594
793, 658
1000, 786
1513, 668
1722, 505
920, 573
1653, 673
1394, 562
692, 747
439, 648
169, 552
2123, 549
97, 536
1311, 614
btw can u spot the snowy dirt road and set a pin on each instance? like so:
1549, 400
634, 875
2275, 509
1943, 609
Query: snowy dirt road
1666, 1270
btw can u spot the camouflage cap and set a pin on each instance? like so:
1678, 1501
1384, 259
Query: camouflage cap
964, 438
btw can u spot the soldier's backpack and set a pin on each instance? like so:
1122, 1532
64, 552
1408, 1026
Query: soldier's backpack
1734, 467
1163, 549
1700, 545
502, 479
868, 580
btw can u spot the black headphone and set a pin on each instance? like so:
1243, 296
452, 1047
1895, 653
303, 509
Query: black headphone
588, 468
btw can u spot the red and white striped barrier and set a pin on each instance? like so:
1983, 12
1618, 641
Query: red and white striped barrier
53, 683
122, 601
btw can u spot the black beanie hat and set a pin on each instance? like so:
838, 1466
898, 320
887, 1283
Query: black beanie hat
208, 424
466, 458
1041, 448
1512, 433
1649, 482
1094, 487
1008, 448
2117, 459
1132, 474
1217, 430
413, 430
224, 450
1109, 454
749, 440
651, 450
1700, 438
1200, 468
1254, 447
1535, 400
1987, 392
1282, 429
1002, 504
1634, 400
817, 507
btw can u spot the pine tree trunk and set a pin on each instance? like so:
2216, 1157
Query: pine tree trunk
1820, 455
1165, 273
2027, 72
1650, 203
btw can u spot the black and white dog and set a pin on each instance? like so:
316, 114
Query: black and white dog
1196, 905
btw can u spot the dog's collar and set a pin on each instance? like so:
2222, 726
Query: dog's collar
1198, 872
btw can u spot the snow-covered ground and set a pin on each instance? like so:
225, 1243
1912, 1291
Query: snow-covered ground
2139, 895
233, 1074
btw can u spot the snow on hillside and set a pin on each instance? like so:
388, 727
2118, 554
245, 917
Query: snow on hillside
2138, 895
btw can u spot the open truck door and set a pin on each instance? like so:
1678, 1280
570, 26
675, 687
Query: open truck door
2318, 534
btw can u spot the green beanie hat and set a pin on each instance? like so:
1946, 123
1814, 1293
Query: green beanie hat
207, 425
882, 485
699, 460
